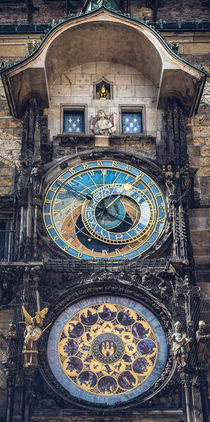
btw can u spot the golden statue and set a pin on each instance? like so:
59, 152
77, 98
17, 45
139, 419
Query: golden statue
103, 92
32, 334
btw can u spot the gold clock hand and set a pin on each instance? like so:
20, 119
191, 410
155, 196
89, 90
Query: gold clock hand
114, 200
126, 187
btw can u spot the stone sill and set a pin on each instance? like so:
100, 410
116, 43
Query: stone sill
66, 139
146, 414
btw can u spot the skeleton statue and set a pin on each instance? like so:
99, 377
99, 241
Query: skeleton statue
32, 334
170, 179
103, 124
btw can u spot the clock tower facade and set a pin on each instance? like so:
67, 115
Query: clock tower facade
105, 303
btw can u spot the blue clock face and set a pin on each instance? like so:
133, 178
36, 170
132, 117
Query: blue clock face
104, 210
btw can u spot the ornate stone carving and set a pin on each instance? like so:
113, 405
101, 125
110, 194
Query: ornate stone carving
11, 341
103, 124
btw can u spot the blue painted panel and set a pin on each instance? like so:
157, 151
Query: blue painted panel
74, 121
131, 122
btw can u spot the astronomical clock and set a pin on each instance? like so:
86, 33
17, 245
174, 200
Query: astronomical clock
105, 349
98, 274
104, 209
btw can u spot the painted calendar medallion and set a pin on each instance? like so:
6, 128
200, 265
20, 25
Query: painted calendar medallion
107, 350
104, 209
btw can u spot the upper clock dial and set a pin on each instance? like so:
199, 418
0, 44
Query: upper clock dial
104, 209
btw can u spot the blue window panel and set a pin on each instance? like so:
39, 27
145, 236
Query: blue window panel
74, 121
132, 122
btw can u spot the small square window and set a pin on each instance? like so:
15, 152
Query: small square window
73, 121
132, 122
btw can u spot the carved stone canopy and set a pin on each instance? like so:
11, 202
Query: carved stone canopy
76, 43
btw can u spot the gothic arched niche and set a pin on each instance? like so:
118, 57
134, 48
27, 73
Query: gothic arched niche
103, 89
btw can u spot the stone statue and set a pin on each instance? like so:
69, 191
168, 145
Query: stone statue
36, 178
11, 340
186, 182
202, 343
22, 175
181, 345
103, 124
170, 179
186, 177
32, 334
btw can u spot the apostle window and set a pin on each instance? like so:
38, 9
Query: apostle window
74, 121
131, 122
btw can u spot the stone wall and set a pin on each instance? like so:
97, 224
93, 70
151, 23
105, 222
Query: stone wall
6, 317
43, 11
10, 142
11, 49
183, 10
130, 88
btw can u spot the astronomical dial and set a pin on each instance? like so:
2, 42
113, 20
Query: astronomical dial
104, 210
107, 350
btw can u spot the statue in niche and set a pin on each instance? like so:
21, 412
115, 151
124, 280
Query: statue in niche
202, 343
181, 346
103, 124
32, 334
103, 91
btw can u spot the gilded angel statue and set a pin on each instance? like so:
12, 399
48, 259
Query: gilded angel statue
32, 334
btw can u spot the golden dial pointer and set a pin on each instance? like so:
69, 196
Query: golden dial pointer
126, 187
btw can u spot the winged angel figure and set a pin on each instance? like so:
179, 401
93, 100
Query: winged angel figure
103, 124
32, 334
